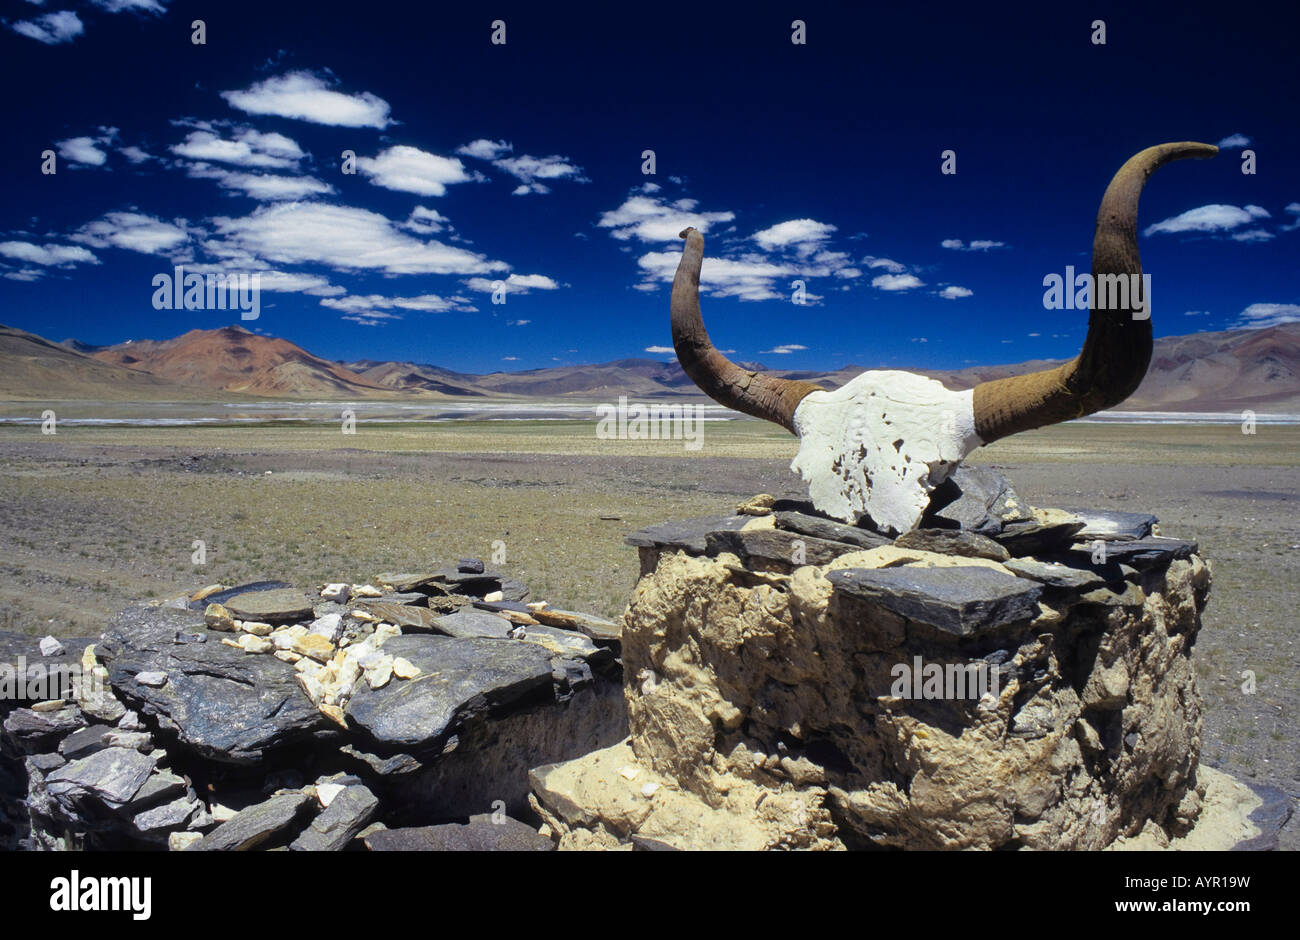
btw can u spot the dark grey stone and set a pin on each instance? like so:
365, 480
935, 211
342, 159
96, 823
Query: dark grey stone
404, 615
85, 742
161, 785
689, 535
44, 763
1054, 574
1270, 816
222, 596
961, 600
480, 834
470, 566
776, 546
953, 542
828, 529
1107, 524
348, 813
977, 499
167, 817
460, 679
114, 775
221, 702
1141, 554
1031, 537
254, 825
470, 623
491, 606
514, 591
37, 731
393, 765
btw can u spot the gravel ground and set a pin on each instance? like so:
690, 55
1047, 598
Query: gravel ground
94, 518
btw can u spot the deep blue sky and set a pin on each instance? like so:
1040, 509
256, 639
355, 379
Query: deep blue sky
841, 136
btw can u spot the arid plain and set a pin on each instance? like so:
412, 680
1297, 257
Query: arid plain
94, 518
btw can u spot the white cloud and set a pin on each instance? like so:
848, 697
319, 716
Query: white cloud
305, 96
1212, 218
484, 149
747, 278
266, 187
529, 170
52, 28
518, 322
979, 244
893, 267
892, 282
117, 6
953, 292
514, 284
509, 358
1196, 313
650, 219
425, 221
660, 350
341, 237
1292, 209
784, 349
805, 234
1252, 235
249, 147
136, 154
133, 231
1262, 315
82, 150
47, 254
1234, 141
412, 170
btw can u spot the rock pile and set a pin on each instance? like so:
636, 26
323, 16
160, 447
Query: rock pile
404, 712
1001, 677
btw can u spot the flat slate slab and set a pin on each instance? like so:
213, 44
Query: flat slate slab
689, 535
962, 601
467, 623
114, 775
274, 606
976, 499
1054, 574
224, 703
1031, 537
404, 615
829, 530
348, 813
776, 545
1139, 553
1107, 524
953, 542
459, 679
480, 834
250, 827
220, 597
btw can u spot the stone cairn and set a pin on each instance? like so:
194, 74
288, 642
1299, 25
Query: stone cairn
784, 682
400, 714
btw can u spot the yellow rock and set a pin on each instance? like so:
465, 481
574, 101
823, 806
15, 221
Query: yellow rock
334, 714
255, 644
256, 628
404, 668
315, 646
218, 618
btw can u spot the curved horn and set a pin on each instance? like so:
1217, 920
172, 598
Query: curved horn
763, 396
1117, 350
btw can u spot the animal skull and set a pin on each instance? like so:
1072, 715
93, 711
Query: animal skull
880, 444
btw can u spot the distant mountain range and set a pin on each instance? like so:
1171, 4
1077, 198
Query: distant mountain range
1224, 371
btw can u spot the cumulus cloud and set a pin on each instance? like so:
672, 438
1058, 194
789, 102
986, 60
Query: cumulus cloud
784, 349
1262, 315
1212, 218
373, 306
412, 170
803, 234
265, 187
514, 284
84, 150
47, 254
341, 237
953, 292
246, 147
484, 149
751, 277
531, 170
659, 350
134, 231
52, 28
979, 244
894, 282
425, 221
893, 267
1234, 142
136, 154
1292, 209
653, 219
306, 96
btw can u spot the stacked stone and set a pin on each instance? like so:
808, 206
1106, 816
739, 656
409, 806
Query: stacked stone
261, 716
773, 676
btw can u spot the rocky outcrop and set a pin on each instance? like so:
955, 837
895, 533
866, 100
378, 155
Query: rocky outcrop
788, 688
261, 716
